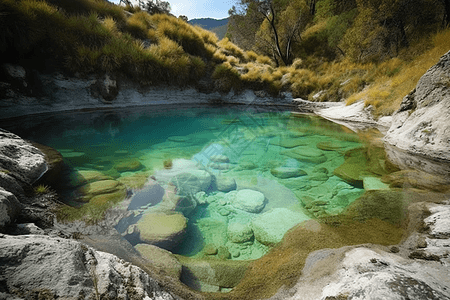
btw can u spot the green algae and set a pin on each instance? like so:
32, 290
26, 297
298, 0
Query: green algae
93, 211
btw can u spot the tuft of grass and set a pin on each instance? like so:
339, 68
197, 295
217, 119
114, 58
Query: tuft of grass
139, 25
187, 36
231, 49
42, 189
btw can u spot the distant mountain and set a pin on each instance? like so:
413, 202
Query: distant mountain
208, 23
219, 27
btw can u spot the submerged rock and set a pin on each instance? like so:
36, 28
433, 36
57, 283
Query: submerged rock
215, 272
162, 230
129, 165
192, 182
249, 201
270, 227
102, 187
363, 162
225, 184
161, 259
288, 142
239, 233
417, 179
287, 172
81, 177
306, 154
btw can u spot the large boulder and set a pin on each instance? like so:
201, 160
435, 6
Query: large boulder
19, 160
67, 269
421, 124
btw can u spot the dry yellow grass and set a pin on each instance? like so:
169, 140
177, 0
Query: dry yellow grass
395, 78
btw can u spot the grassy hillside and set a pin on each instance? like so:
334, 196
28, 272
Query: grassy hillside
344, 50
95, 37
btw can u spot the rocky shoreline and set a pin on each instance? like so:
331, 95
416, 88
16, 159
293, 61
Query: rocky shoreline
417, 268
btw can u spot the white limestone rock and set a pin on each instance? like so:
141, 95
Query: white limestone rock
421, 125
20, 160
70, 270
367, 273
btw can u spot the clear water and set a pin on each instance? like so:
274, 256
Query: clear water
287, 158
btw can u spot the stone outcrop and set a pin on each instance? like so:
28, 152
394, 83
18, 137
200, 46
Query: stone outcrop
62, 93
421, 126
369, 273
36, 266
19, 162
21, 165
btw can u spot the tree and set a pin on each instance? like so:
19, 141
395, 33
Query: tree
157, 7
183, 17
284, 20
383, 27
244, 23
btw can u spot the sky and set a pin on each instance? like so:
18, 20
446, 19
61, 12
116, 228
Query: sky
195, 9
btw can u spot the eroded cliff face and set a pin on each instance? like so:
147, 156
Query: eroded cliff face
422, 124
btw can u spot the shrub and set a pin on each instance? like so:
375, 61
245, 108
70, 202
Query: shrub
232, 49
226, 77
